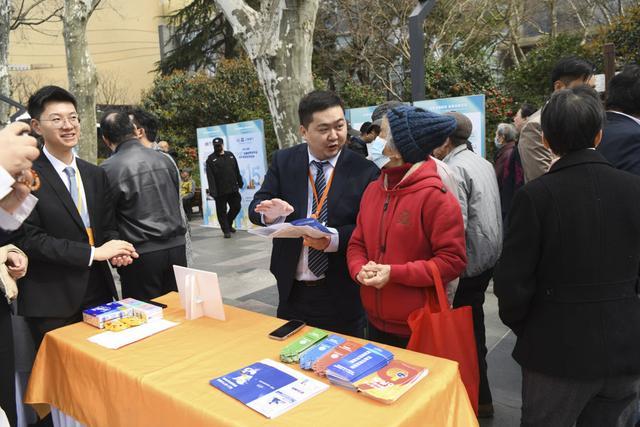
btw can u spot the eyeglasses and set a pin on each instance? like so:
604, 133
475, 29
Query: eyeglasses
58, 122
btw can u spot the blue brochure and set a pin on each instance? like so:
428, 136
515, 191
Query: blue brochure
310, 222
268, 387
357, 365
318, 350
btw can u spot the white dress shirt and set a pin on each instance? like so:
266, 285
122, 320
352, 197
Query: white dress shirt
302, 270
59, 166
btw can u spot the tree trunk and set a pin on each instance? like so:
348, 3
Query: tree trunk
5, 85
279, 42
81, 72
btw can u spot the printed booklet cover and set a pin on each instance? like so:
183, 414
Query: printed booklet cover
269, 387
309, 356
391, 382
358, 364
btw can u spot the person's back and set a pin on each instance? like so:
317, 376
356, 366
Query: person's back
481, 211
144, 188
567, 281
621, 135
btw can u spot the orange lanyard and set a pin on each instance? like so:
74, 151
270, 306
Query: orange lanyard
319, 203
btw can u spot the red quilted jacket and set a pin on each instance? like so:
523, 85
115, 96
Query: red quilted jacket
405, 226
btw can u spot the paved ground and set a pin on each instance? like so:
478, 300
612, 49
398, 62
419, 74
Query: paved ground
242, 264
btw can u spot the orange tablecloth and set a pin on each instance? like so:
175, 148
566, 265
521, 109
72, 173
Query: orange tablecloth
164, 380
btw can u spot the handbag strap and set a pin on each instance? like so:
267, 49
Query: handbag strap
437, 283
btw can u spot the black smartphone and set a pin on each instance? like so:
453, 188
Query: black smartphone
286, 330
159, 304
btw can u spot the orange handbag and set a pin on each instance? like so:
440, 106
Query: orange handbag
447, 333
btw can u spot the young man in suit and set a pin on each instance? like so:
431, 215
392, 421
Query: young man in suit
567, 281
318, 178
71, 233
621, 135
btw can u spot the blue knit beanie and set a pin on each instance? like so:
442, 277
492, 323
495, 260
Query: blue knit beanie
417, 132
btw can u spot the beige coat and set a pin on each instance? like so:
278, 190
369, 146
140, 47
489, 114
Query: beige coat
536, 158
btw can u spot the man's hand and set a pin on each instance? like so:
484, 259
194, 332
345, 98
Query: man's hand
376, 275
273, 209
16, 265
319, 244
114, 248
13, 200
17, 149
121, 261
365, 274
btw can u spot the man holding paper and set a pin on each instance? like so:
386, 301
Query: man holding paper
320, 180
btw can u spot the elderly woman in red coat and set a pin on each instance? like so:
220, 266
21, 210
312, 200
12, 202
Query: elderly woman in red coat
406, 218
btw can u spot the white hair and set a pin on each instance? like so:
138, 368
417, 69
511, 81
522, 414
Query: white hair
507, 131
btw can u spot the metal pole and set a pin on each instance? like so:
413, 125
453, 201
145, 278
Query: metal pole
416, 46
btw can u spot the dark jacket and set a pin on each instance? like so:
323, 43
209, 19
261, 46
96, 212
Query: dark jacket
144, 187
287, 179
567, 281
620, 143
223, 174
56, 242
358, 145
510, 176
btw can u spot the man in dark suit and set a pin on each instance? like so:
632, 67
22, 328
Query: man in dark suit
567, 281
322, 179
72, 231
621, 137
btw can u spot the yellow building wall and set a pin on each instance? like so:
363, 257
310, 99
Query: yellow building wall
124, 45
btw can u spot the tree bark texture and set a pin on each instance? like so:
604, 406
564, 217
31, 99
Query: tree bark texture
5, 84
279, 41
81, 72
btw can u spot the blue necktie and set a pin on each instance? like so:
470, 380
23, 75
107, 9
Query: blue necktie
75, 195
318, 260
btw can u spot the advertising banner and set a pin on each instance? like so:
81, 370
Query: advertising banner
471, 106
246, 141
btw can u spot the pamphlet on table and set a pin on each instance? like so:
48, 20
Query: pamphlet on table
358, 364
315, 352
337, 353
269, 387
291, 353
391, 382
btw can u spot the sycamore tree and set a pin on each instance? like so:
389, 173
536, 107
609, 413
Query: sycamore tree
81, 71
278, 39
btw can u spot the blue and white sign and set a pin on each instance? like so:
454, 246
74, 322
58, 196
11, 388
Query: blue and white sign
246, 141
471, 106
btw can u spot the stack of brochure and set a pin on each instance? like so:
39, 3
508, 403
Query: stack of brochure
308, 358
391, 382
338, 352
358, 364
291, 353
269, 387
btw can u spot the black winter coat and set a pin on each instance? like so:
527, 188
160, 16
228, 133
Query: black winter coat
567, 281
223, 174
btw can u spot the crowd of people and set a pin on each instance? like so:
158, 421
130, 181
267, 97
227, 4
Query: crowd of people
554, 222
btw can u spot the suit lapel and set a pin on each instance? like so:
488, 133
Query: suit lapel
301, 181
47, 172
340, 179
